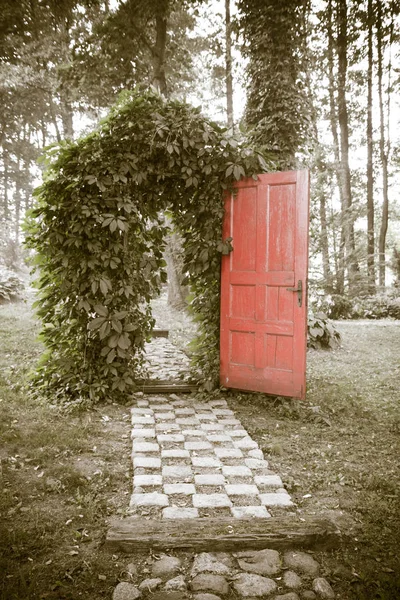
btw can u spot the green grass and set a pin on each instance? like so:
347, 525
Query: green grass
62, 476
341, 447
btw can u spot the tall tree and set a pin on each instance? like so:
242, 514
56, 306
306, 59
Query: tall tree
348, 225
277, 104
370, 168
384, 141
228, 64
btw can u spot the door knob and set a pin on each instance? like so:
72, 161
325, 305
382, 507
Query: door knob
299, 291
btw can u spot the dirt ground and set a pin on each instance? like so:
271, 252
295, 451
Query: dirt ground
63, 476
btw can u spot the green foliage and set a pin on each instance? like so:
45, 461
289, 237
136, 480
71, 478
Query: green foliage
380, 306
99, 237
11, 286
278, 107
321, 332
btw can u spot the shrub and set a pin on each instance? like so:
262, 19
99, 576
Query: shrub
322, 333
11, 286
376, 307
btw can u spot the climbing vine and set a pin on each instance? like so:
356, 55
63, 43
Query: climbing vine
98, 232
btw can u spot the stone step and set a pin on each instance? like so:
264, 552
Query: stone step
166, 387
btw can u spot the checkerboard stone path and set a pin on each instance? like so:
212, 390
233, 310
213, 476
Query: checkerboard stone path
194, 459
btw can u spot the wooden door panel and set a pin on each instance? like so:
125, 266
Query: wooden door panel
263, 328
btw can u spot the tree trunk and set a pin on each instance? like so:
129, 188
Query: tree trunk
6, 210
67, 119
159, 80
370, 176
351, 261
384, 148
228, 65
334, 129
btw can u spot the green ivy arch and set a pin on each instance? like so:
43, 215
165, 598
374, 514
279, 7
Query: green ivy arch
98, 233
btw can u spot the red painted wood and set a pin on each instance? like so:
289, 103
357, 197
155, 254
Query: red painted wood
263, 330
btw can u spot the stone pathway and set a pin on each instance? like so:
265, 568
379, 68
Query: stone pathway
194, 459
166, 362
219, 576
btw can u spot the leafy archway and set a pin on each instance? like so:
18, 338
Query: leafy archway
98, 233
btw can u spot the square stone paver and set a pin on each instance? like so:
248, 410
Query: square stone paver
194, 433
255, 463
175, 453
177, 471
245, 443
143, 480
237, 433
180, 512
271, 480
146, 462
257, 512
144, 447
152, 499
276, 499
143, 433
203, 445
211, 500
206, 461
170, 437
228, 452
142, 411
241, 489
240, 471
209, 479
139, 419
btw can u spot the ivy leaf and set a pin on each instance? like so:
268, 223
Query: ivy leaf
96, 323
101, 310
110, 357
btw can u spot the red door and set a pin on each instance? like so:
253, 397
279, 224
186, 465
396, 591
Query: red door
263, 286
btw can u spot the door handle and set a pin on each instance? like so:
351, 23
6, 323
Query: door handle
299, 291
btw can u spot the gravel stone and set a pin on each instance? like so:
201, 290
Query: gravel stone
176, 584
149, 585
210, 583
250, 585
126, 591
302, 562
262, 562
323, 589
292, 580
206, 597
309, 595
208, 563
166, 567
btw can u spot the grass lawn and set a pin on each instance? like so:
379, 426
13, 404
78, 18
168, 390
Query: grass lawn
63, 476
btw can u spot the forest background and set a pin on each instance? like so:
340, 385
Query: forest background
318, 82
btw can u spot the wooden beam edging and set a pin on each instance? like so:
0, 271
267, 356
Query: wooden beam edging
134, 534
